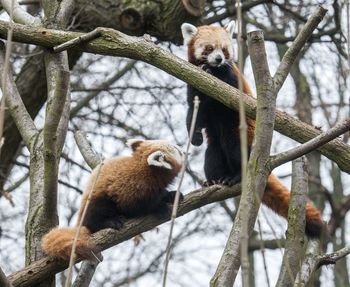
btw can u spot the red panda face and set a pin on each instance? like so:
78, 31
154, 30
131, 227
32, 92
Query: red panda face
209, 44
158, 153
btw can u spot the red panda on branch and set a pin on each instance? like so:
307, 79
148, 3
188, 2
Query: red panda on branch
211, 49
124, 187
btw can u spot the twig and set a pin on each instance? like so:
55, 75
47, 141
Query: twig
79, 40
6, 68
244, 154
296, 225
80, 224
309, 146
119, 74
177, 195
86, 273
293, 51
313, 261
88, 267
91, 158
262, 249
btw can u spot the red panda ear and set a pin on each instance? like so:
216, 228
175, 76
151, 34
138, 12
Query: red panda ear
230, 28
188, 31
157, 159
134, 143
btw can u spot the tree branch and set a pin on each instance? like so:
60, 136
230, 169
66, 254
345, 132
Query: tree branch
87, 152
16, 107
115, 43
281, 158
310, 264
46, 267
19, 14
296, 225
4, 282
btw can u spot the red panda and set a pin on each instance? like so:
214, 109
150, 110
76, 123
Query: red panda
211, 49
124, 187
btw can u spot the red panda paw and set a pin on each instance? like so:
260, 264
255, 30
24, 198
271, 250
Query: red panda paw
206, 68
170, 198
225, 180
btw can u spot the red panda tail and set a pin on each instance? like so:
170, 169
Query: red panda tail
58, 243
277, 197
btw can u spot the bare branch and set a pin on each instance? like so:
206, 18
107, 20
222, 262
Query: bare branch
19, 14
86, 273
332, 258
119, 74
309, 146
87, 152
16, 107
77, 41
296, 225
310, 264
293, 51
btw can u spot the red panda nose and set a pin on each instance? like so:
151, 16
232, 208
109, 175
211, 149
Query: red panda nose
218, 59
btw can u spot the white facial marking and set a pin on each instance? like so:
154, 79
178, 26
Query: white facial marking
198, 52
188, 31
216, 58
177, 154
157, 159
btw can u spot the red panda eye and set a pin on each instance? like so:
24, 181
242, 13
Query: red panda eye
209, 48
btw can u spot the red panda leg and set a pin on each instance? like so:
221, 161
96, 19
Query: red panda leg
277, 197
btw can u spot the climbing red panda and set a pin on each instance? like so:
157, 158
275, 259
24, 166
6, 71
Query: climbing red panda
124, 187
211, 49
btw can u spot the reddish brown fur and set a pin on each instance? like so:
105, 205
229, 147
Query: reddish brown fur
123, 179
58, 243
114, 177
208, 35
276, 195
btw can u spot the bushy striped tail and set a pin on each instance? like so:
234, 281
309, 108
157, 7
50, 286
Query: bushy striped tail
277, 197
58, 243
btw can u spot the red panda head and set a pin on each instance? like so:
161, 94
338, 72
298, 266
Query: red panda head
158, 154
208, 44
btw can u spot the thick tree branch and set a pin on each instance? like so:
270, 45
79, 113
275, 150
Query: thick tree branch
115, 43
230, 261
281, 158
46, 267
310, 264
296, 225
313, 261
4, 282
19, 14
16, 107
